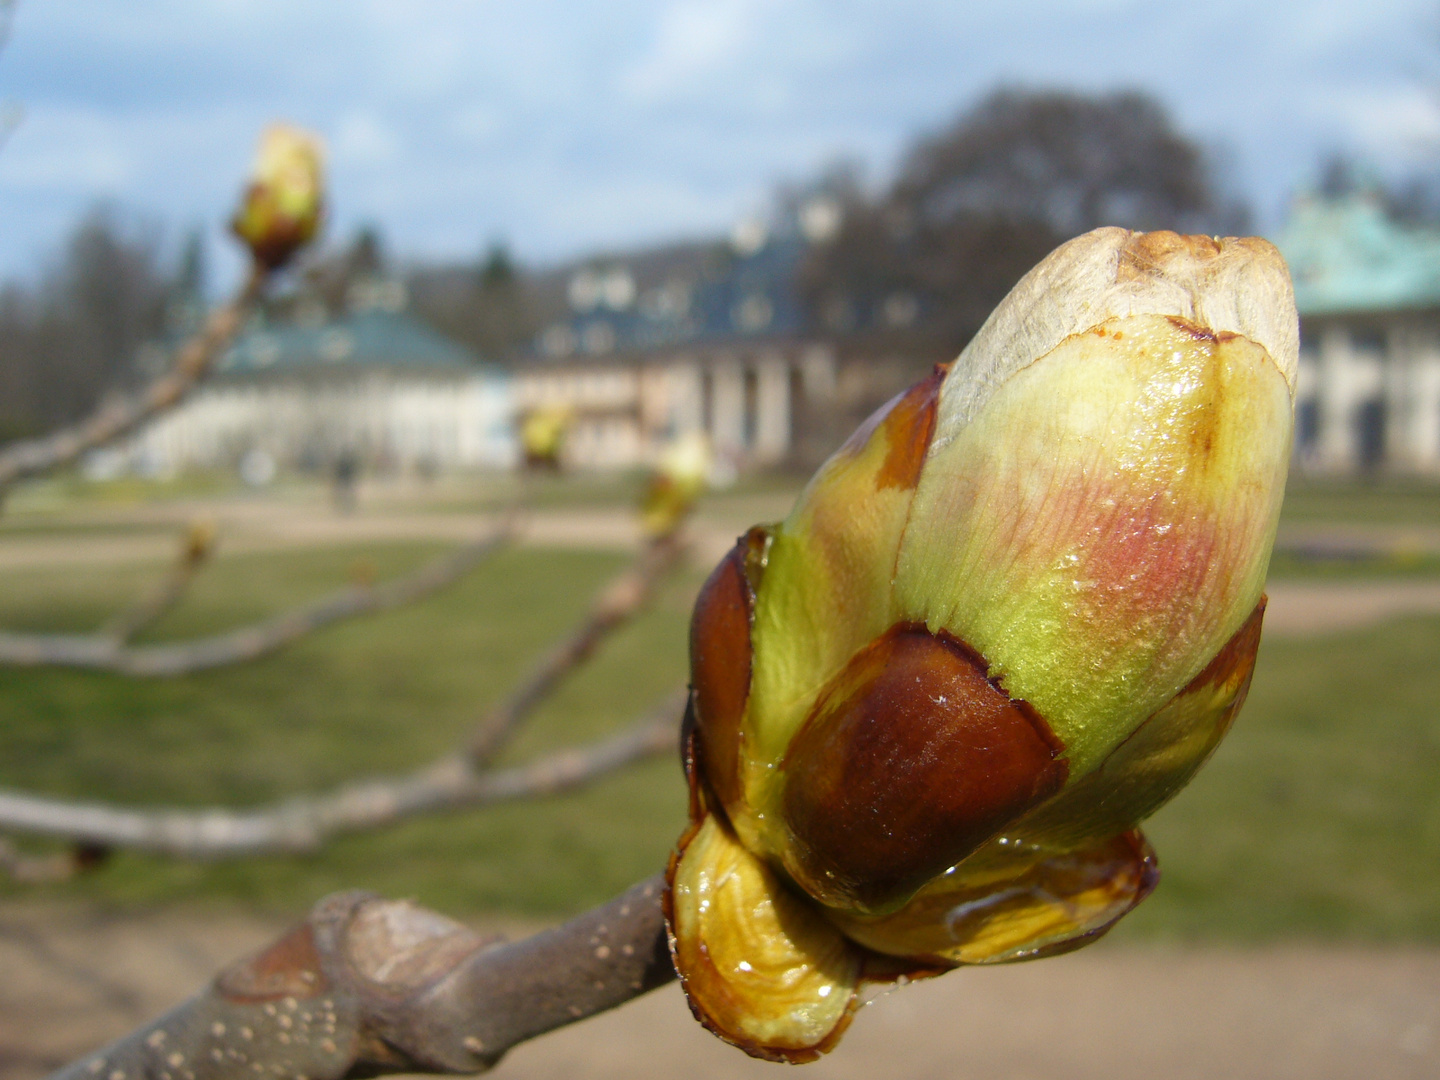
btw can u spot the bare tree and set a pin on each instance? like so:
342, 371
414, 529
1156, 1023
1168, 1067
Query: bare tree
123, 414
77, 333
1070, 161
977, 204
492, 305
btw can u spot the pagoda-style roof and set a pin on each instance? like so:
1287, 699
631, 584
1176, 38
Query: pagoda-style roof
1347, 256
374, 339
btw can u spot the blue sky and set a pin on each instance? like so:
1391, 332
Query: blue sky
565, 126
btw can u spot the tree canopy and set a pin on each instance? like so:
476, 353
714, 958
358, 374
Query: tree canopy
975, 205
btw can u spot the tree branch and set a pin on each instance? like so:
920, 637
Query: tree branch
106, 651
623, 598
367, 986
196, 548
120, 416
305, 823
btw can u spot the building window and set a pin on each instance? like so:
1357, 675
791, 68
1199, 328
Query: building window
1307, 425
1367, 340
1370, 434
752, 406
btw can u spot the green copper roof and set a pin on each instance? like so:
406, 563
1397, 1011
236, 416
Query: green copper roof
1346, 255
371, 338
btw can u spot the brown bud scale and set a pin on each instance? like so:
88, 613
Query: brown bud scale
910, 426
720, 659
911, 759
289, 968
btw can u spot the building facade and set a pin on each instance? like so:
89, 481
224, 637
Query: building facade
1368, 292
375, 388
710, 339
749, 402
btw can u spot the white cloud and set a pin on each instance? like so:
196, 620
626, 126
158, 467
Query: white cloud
364, 139
695, 38
80, 151
563, 124
1391, 122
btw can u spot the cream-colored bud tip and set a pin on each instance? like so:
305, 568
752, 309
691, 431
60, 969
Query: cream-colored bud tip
1235, 285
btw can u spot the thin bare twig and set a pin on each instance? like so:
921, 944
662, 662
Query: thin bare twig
625, 596
459, 779
120, 416
104, 652
195, 549
304, 823
367, 986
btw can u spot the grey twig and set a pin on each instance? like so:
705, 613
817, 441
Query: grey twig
120, 416
625, 596
304, 823
108, 651
367, 986
196, 548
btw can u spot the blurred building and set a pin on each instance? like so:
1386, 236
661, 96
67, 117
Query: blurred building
1368, 291
703, 337
373, 388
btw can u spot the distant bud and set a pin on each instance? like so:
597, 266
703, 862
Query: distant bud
680, 477
1004, 623
199, 544
284, 202
542, 436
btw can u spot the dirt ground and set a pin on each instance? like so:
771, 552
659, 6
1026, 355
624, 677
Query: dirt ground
75, 979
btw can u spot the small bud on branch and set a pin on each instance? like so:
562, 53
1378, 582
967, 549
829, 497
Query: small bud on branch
285, 200
678, 480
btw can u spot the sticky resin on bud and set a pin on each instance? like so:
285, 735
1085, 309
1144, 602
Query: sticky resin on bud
761, 967
910, 761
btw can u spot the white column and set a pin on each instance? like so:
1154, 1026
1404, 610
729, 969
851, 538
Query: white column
727, 408
817, 373
1338, 451
1425, 429
1307, 382
772, 408
1401, 415
687, 405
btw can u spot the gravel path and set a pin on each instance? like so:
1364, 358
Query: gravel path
1296, 608
1303, 608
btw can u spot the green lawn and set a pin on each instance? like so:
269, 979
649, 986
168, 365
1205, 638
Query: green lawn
1382, 501
1292, 565
1319, 817
380, 694
1320, 814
